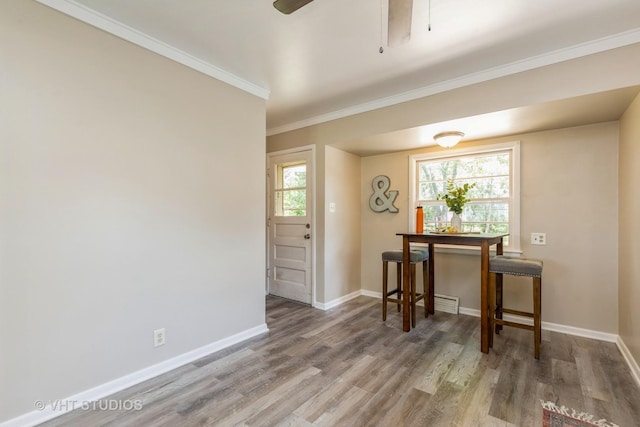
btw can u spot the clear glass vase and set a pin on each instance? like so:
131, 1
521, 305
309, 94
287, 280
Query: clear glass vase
456, 222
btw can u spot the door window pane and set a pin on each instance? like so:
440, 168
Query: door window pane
291, 190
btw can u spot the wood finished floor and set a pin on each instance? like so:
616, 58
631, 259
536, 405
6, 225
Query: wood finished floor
345, 367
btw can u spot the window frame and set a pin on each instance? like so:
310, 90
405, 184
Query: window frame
279, 188
514, 184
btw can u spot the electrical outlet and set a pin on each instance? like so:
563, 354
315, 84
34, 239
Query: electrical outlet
158, 337
538, 238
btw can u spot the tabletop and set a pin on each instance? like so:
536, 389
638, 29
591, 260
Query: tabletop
473, 239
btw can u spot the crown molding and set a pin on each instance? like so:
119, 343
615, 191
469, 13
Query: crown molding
118, 29
109, 25
550, 58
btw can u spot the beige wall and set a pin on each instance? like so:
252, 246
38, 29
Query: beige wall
567, 79
131, 199
568, 190
342, 245
629, 226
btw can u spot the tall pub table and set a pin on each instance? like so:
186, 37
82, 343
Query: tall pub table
484, 240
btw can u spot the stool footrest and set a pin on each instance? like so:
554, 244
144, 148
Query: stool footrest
399, 300
517, 312
513, 324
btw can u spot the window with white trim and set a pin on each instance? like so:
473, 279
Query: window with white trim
494, 205
290, 190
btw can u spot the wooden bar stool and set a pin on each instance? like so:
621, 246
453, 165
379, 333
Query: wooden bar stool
416, 256
499, 265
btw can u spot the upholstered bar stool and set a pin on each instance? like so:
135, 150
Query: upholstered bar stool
500, 265
416, 256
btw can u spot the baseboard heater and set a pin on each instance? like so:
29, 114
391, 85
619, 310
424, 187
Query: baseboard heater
446, 303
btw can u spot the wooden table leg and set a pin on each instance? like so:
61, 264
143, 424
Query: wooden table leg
406, 313
496, 295
431, 280
484, 297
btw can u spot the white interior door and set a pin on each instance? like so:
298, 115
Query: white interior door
289, 223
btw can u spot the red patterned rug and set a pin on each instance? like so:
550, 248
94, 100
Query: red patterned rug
561, 416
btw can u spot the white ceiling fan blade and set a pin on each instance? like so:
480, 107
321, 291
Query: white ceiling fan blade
400, 13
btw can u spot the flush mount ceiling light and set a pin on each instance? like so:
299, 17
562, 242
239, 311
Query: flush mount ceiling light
448, 139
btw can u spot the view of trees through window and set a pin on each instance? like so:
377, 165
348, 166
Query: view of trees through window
488, 209
290, 191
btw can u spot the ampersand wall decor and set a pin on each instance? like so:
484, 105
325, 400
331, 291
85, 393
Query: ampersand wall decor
380, 201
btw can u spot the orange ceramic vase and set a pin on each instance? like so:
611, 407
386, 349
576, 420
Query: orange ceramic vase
419, 219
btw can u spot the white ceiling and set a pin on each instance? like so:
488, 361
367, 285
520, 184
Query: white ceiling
582, 110
322, 62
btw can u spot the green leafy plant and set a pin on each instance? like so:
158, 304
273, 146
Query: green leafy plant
456, 196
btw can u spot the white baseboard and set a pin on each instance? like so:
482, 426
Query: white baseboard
555, 327
579, 332
107, 389
336, 302
633, 365
372, 294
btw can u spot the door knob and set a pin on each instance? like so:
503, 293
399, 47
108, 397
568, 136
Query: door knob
307, 236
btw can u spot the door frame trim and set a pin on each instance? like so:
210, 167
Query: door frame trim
312, 148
